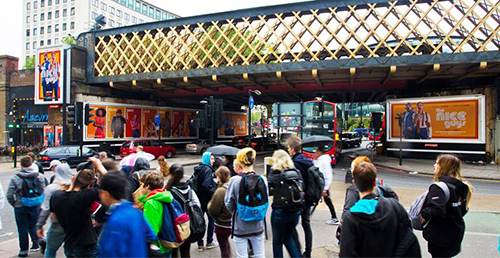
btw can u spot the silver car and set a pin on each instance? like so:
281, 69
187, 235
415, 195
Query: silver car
197, 147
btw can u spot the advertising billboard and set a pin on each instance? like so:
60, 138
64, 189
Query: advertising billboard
437, 119
49, 78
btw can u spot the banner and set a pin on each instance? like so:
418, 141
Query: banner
116, 121
149, 127
436, 118
48, 136
49, 76
134, 122
165, 122
58, 135
97, 129
179, 124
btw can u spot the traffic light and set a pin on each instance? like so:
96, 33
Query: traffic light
71, 114
79, 113
88, 115
219, 108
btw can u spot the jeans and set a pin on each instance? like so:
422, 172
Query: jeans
26, 218
306, 225
77, 252
223, 235
283, 226
241, 245
55, 239
328, 202
210, 230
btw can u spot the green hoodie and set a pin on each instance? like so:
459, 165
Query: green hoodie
153, 211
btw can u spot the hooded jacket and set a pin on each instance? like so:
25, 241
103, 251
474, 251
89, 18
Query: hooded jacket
217, 209
153, 211
206, 184
446, 226
141, 166
15, 185
302, 163
376, 227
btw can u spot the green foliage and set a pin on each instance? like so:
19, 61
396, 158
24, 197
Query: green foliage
353, 123
70, 40
30, 63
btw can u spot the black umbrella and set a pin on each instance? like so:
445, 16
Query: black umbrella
223, 150
316, 140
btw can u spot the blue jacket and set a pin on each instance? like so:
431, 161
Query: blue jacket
126, 234
206, 183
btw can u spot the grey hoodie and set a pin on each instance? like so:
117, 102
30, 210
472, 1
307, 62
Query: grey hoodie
15, 185
141, 166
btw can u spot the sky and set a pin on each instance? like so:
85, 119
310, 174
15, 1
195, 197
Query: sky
11, 15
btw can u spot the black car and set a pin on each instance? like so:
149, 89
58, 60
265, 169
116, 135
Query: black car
68, 154
351, 139
258, 143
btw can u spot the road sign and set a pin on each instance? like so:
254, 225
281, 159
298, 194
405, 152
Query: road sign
157, 120
251, 102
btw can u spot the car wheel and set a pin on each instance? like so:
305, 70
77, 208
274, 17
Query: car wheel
169, 154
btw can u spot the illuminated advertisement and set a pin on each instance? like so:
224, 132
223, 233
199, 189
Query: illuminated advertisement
48, 136
49, 76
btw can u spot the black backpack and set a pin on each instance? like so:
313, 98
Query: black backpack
193, 182
31, 192
315, 185
292, 190
253, 198
195, 213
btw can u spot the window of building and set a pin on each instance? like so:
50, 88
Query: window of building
65, 12
138, 6
134, 19
27, 46
127, 17
28, 19
42, 16
119, 24
144, 9
49, 29
151, 12
34, 44
49, 2
35, 18
49, 42
72, 12
131, 4
124, 2
27, 32
41, 43
49, 15
158, 15
35, 4
42, 3
111, 23
42, 30
72, 26
141, 21
112, 10
28, 7
56, 41
35, 30
56, 14
57, 1
56, 28
104, 7
65, 1
65, 26
94, 15
119, 13
95, 3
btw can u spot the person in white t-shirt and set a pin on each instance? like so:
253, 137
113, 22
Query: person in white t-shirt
323, 162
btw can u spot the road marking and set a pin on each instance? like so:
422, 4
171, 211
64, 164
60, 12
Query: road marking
481, 234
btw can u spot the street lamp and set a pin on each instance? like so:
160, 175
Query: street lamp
250, 106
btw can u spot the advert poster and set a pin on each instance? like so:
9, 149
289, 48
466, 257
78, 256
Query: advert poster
425, 120
49, 76
191, 130
178, 128
48, 136
58, 135
97, 129
133, 126
116, 122
148, 126
165, 122
228, 125
240, 124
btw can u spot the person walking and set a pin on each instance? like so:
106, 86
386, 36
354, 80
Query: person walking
302, 163
222, 216
205, 189
55, 234
244, 231
126, 232
181, 192
285, 184
445, 227
72, 209
25, 194
376, 226
323, 162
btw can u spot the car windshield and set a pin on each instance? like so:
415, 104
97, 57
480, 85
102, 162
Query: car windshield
126, 144
313, 149
347, 135
52, 151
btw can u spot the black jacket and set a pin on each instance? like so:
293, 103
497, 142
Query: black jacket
276, 188
382, 230
206, 184
141, 166
446, 226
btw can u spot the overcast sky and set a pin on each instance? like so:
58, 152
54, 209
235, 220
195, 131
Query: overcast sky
11, 15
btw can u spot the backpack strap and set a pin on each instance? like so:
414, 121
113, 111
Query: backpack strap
180, 195
445, 189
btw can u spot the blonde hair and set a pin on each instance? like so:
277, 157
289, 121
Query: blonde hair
164, 166
140, 148
246, 157
359, 160
451, 166
103, 155
237, 166
282, 161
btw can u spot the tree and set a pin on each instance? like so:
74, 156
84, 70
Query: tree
70, 40
30, 62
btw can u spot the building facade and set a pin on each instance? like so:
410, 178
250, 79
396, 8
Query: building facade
48, 22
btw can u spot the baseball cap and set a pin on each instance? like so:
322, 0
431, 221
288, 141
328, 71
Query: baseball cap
54, 163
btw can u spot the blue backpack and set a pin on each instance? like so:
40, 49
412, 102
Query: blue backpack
175, 227
31, 192
253, 200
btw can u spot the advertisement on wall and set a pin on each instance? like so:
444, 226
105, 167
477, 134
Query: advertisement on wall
49, 76
437, 119
120, 121
58, 135
48, 136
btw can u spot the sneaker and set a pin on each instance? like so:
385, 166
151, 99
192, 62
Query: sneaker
35, 249
333, 221
23, 254
200, 248
211, 246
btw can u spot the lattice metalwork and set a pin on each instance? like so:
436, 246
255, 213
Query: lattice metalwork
374, 29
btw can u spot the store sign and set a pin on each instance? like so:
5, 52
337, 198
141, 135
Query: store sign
30, 118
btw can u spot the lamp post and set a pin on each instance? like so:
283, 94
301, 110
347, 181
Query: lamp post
250, 106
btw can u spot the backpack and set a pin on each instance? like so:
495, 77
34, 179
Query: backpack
195, 213
31, 192
417, 206
388, 192
292, 190
252, 200
175, 227
315, 185
193, 182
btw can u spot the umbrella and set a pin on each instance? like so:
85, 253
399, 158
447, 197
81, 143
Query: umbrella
130, 159
223, 150
316, 141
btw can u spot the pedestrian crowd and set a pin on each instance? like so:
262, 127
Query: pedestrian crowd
108, 210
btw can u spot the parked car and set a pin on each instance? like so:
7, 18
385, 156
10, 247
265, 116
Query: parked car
197, 147
155, 147
351, 139
68, 154
258, 143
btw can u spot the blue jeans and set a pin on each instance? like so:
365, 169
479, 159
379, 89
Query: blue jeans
26, 218
55, 239
210, 230
283, 225
77, 252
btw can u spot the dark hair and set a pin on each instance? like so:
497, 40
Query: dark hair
32, 156
177, 173
109, 164
84, 178
224, 174
295, 144
115, 184
153, 179
365, 175
26, 162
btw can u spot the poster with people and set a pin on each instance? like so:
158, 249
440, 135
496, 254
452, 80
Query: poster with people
48, 136
436, 118
165, 122
97, 129
149, 128
49, 76
116, 121
134, 125
178, 128
191, 130
228, 125
58, 135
